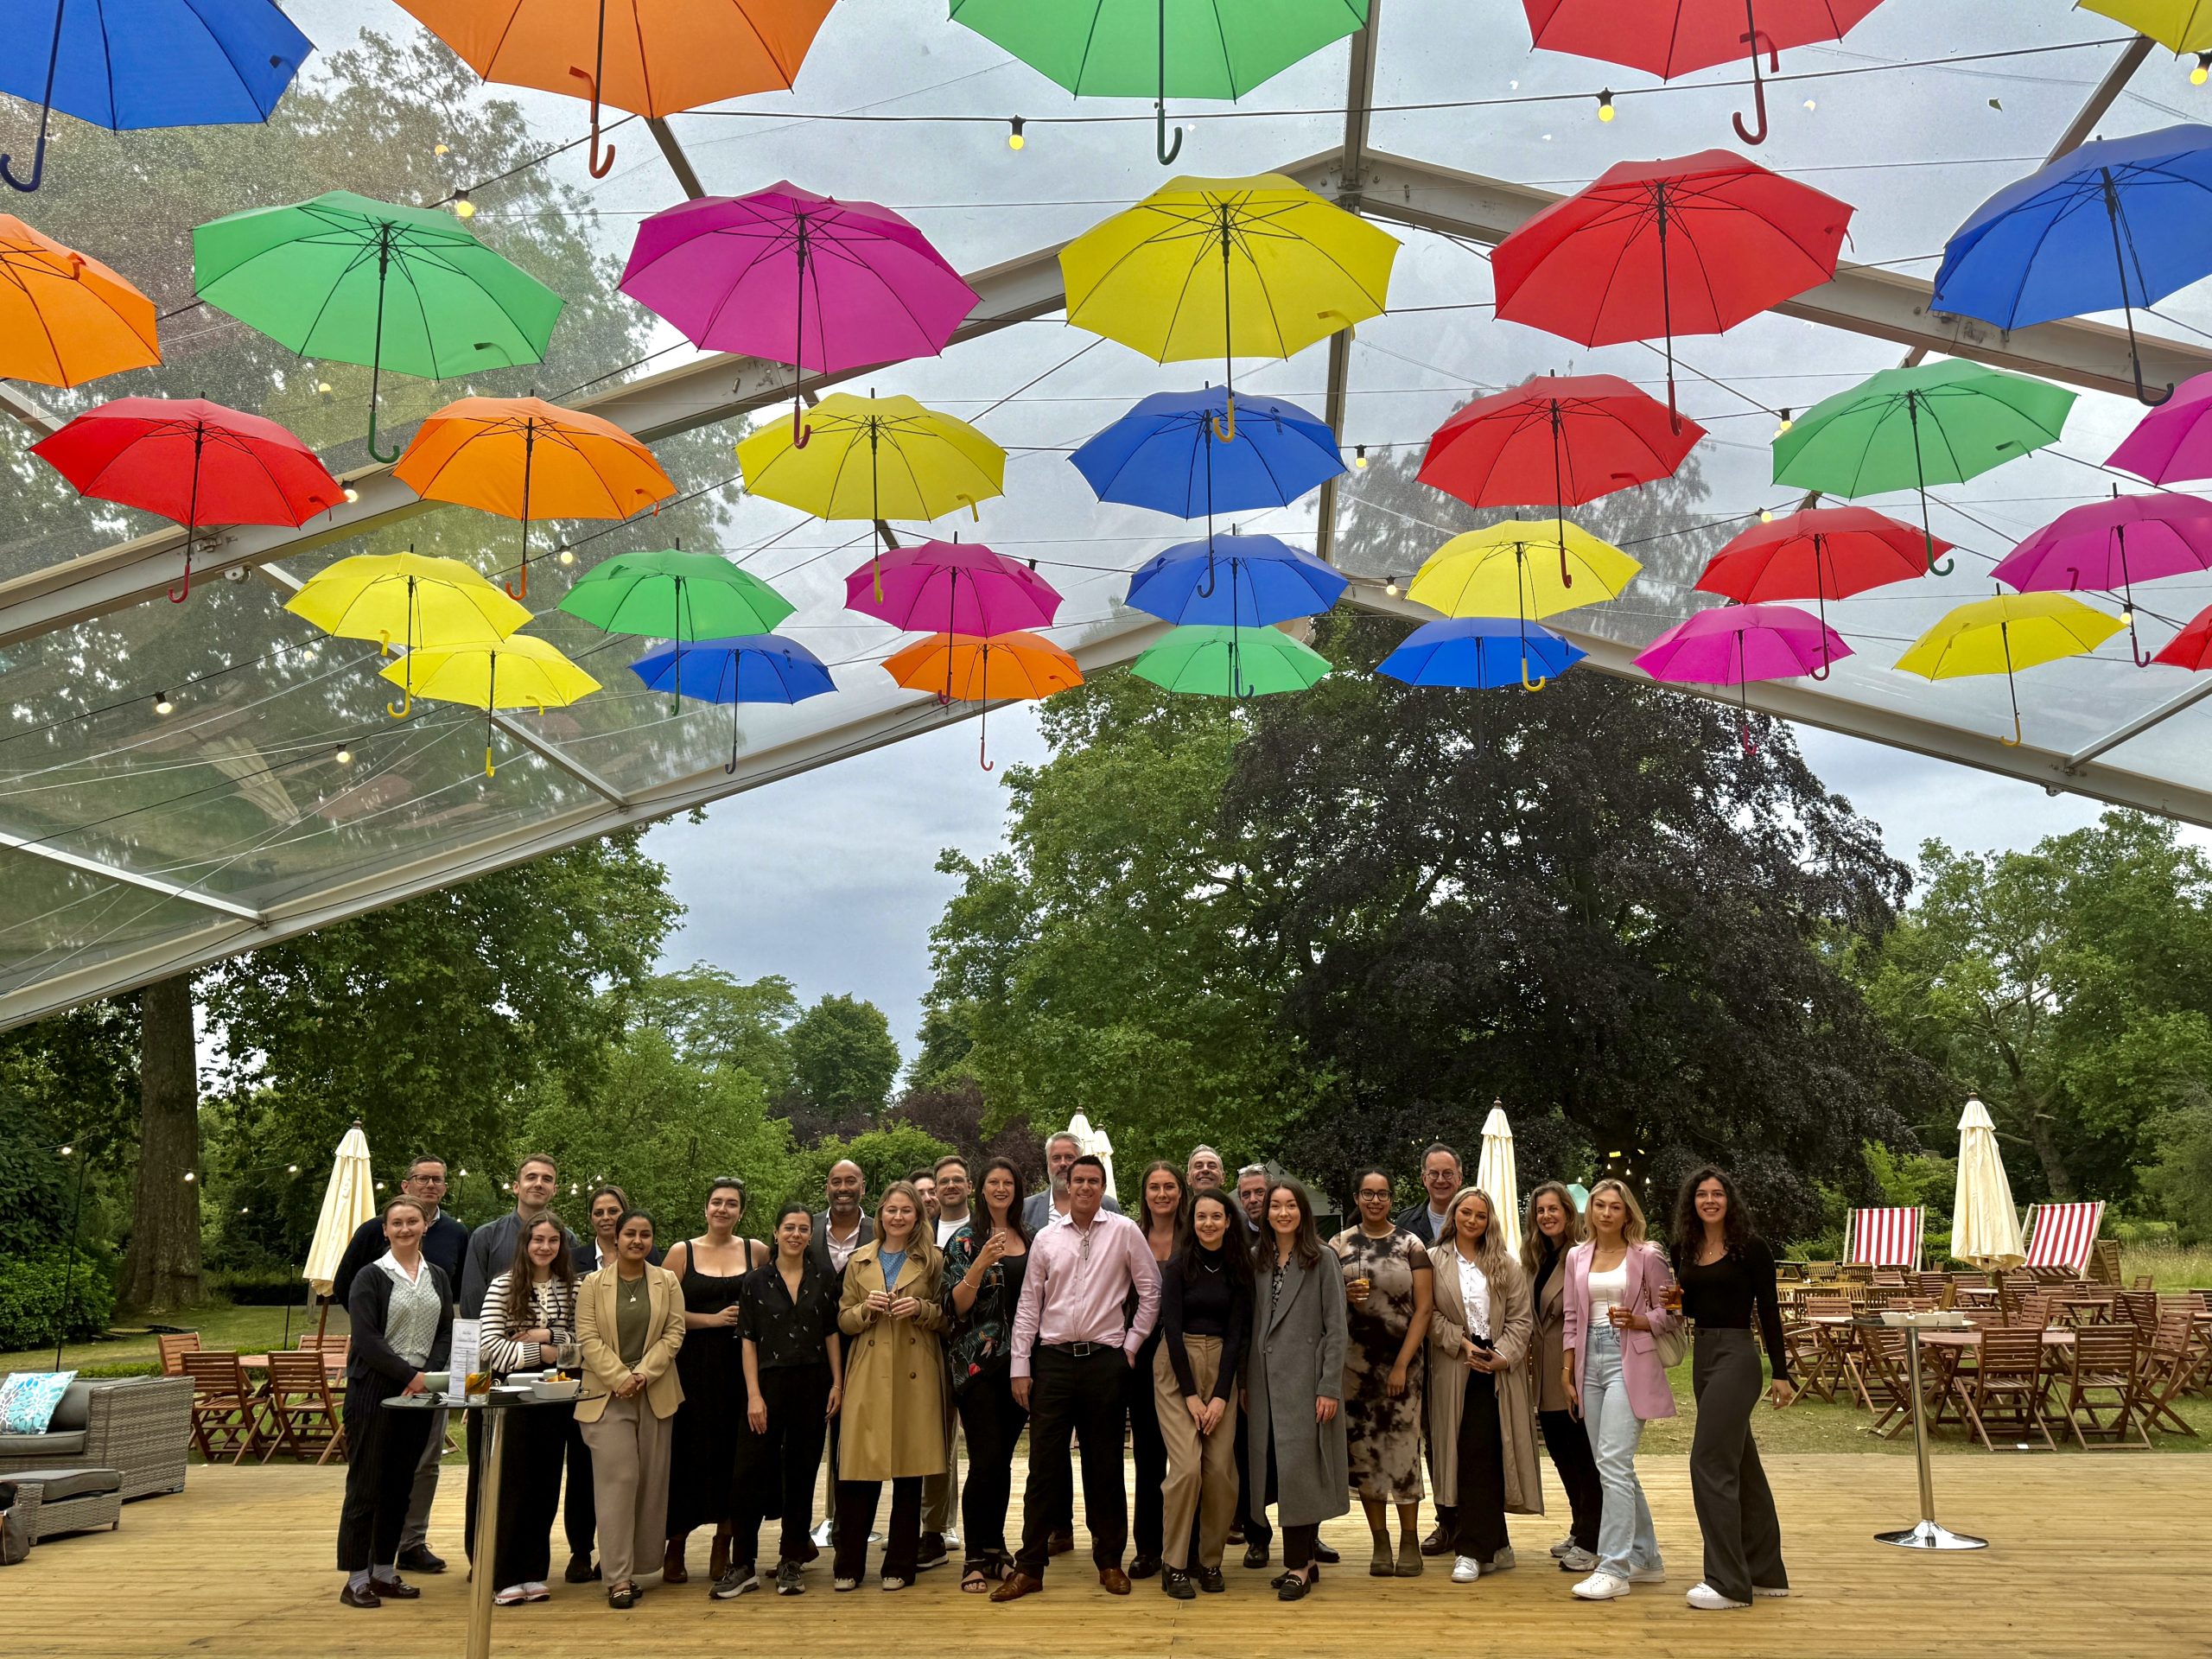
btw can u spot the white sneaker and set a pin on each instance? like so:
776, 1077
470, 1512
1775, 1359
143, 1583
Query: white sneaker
1775, 1591
1501, 1562
1601, 1587
1655, 1574
1465, 1569
513, 1596
1578, 1560
1562, 1549
536, 1591
1706, 1599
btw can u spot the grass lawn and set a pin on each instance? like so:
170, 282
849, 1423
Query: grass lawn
131, 1350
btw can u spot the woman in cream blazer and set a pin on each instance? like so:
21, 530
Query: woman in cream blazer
629, 1325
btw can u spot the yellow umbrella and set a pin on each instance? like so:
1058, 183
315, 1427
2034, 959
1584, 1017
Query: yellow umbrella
873, 458
1522, 569
348, 1200
2012, 632
522, 672
418, 602
1496, 1173
1985, 1227
2179, 25
1251, 267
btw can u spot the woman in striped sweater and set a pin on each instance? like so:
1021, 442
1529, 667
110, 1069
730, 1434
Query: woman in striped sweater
530, 1324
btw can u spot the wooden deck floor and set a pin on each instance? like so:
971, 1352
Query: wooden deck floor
2089, 1556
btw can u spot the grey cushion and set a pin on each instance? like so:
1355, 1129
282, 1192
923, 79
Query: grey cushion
74, 1410
60, 1486
43, 1446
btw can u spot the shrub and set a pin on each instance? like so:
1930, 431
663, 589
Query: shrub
38, 1296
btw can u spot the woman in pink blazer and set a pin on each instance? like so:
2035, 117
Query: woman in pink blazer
1614, 1308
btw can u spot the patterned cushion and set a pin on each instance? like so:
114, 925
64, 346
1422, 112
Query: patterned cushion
27, 1400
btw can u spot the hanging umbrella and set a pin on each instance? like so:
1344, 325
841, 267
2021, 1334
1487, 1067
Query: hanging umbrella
1496, 1174
650, 57
1481, 652
2192, 647
1230, 662
191, 460
129, 64
1735, 645
1183, 49
672, 595
520, 456
1519, 569
1268, 582
1566, 439
348, 1200
2118, 222
66, 319
1985, 1227
1162, 454
1906, 428
2111, 545
1292, 269
2005, 634
2171, 444
359, 281
1675, 37
521, 671
968, 588
1819, 553
1009, 667
736, 274
2178, 25
748, 667
406, 599
1693, 245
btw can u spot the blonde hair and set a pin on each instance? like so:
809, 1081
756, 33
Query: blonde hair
921, 1244
1633, 1230
1492, 1257
1532, 1242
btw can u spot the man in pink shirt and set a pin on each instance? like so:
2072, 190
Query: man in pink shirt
1071, 1349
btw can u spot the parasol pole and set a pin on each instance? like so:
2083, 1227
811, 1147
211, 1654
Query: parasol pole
2127, 307
802, 434
1559, 491
1920, 478
1226, 431
1160, 147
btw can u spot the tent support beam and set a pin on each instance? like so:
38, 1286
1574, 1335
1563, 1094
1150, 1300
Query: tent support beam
1359, 98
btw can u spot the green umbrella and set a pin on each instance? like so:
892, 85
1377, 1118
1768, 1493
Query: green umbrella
357, 280
672, 595
1212, 661
1906, 428
1193, 49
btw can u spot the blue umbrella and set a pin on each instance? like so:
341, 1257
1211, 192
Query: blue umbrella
1163, 454
1269, 581
126, 64
744, 668
2118, 222
1480, 652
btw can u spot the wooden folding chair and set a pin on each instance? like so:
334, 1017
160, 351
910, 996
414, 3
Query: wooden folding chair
2165, 1365
1813, 1360
2145, 1281
303, 1412
173, 1346
2102, 1389
2005, 1386
226, 1409
1886, 1376
1938, 1284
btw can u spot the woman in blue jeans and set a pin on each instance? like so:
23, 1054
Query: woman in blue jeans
1614, 1309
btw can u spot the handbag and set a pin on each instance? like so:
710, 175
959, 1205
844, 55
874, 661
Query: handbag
1673, 1341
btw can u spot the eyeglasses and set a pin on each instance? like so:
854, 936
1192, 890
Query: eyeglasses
426, 1180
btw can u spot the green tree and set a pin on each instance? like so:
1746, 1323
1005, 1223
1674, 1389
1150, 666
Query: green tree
885, 1155
714, 1019
843, 1059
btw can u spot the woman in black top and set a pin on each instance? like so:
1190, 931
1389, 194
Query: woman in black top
703, 1455
1206, 1316
1726, 1274
1161, 1214
787, 1321
983, 1265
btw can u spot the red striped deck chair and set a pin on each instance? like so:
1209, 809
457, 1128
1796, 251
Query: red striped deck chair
2063, 1235
1885, 1238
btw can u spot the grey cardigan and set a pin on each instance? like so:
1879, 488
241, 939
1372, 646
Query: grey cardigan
1296, 1357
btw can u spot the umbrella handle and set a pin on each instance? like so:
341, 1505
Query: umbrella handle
2013, 741
1226, 434
601, 164
376, 454
405, 707
2135, 645
1754, 38
802, 434
1527, 684
974, 516
45, 112
1161, 146
2143, 394
520, 590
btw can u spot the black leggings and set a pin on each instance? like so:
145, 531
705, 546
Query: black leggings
992, 1420
1568, 1443
530, 1491
775, 1470
1149, 1452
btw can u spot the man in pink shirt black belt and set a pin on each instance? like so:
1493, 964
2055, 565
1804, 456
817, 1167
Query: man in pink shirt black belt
1071, 1349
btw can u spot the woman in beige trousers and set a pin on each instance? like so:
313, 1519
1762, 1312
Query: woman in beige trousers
1206, 1316
629, 1325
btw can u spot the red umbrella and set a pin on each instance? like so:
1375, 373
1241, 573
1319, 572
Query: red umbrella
191, 460
2192, 647
1674, 37
1693, 245
1820, 554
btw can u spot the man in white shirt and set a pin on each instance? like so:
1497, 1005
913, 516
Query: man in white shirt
1051, 1207
941, 1493
1204, 1169
953, 1196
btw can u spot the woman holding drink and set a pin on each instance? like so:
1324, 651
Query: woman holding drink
1388, 1287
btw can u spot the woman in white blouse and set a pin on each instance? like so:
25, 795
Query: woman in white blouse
528, 1325
1479, 1419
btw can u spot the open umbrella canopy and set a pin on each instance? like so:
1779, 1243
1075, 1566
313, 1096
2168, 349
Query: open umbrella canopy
521, 671
672, 595
1497, 1174
1481, 653
1164, 453
1821, 553
874, 458
746, 668
1516, 569
406, 600
1565, 439
2172, 443
2178, 25
2111, 545
1230, 662
1253, 581
2192, 647
1985, 1225
2005, 634
957, 587
1733, 645
66, 319
1017, 664
349, 1197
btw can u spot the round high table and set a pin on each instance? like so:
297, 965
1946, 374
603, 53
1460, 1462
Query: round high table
1926, 1533
494, 1406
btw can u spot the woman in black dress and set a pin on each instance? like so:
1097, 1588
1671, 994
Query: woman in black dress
703, 1456
983, 1264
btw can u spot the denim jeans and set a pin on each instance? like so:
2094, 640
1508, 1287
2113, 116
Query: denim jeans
1626, 1541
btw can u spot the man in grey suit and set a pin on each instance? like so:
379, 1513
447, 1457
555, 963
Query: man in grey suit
1050, 1207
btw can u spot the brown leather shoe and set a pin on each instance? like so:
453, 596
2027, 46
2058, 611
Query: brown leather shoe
1116, 1581
1019, 1584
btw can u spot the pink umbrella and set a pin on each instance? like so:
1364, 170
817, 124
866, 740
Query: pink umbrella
953, 587
798, 278
1735, 645
2173, 442
2113, 545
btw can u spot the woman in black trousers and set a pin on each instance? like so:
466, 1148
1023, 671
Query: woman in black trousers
402, 1311
1552, 1227
1726, 1273
794, 1384
528, 1325
983, 1263
1161, 1218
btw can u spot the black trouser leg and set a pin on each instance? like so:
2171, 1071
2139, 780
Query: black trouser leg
1099, 1417
1048, 1499
1298, 1546
1478, 1527
476, 1445
530, 1491
856, 1502
902, 1545
384, 1448
778, 1468
1149, 1452
1568, 1443
1735, 1507
992, 1422
579, 1513
1251, 1506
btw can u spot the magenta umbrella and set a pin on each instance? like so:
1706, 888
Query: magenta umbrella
2113, 545
1734, 644
956, 586
2173, 442
798, 278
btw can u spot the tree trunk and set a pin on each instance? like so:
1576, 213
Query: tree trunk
2054, 1165
161, 1270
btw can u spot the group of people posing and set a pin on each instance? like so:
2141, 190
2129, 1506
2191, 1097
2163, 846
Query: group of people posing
1241, 1361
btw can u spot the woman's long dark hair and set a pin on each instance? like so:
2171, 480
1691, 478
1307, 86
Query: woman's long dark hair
1188, 1259
1689, 1226
979, 1208
1306, 1244
1179, 1227
519, 1277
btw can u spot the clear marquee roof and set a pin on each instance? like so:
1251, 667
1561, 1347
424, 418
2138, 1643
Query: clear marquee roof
134, 844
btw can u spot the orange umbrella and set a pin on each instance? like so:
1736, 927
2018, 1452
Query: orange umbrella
1009, 666
66, 319
655, 57
517, 456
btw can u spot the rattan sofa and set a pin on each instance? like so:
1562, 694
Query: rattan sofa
138, 1426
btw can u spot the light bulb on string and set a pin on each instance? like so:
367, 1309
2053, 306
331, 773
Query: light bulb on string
462, 207
439, 149
352, 494
568, 555
1786, 424
1359, 456
1390, 586
162, 704
1766, 515
1013, 138
189, 1176
66, 1151
292, 1169
345, 756
2203, 72
1606, 105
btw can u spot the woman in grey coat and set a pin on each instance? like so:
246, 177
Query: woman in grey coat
1294, 1364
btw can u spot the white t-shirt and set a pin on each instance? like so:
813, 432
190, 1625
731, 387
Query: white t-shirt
947, 1226
1474, 1295
1607, 1291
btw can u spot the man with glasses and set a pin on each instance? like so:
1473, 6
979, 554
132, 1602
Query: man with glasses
445, 1244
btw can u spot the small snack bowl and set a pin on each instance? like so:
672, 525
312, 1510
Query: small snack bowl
557, 1389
